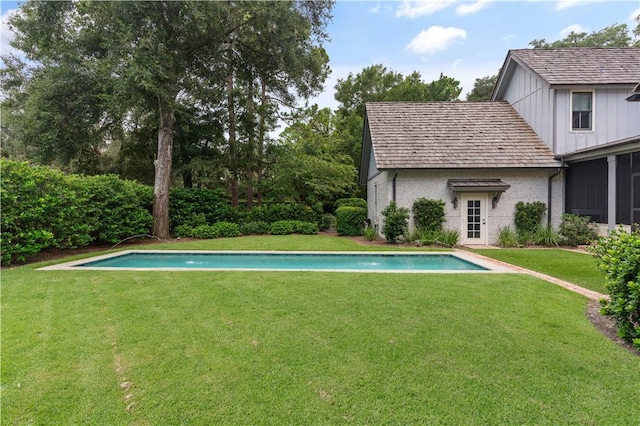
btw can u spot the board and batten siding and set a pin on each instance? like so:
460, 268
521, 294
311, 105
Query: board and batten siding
532, 98
614, 119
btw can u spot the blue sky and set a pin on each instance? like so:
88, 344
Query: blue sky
464, 39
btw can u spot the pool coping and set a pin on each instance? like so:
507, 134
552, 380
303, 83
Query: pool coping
491, 266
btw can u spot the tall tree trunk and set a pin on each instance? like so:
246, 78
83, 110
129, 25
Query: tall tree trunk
162, 182
251, 142
233, 156
261, 135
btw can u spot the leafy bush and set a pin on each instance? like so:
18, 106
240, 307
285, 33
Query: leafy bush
286, 227
43, 207
306, 228
507, 237
396, 222
350, 220
226, 229
618, 256
576, 230
271, 213
204, 232
428, 214
254, 228
185, 204
529, 215
351, 202
282, 227
183, 231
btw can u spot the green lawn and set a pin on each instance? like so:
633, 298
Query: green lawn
576, 268
89, 347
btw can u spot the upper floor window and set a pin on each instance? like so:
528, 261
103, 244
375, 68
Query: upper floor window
582, 111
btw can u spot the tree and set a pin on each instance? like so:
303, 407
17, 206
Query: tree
612, 36
482, 88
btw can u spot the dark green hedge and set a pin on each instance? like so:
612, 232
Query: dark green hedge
350, 220
43, 207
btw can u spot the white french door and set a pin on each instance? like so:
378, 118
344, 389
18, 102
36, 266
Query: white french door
474, 219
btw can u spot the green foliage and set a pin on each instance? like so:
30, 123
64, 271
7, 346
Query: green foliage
203, 232
286, 227
271, 213
350, 202
546, 236
184, 231
254, 228
396, 222
196, 206
370, 233
618, 256
440, 237
226, 229
482, 89
576, 230
428, 214
350, 220
611, 36
507, 237
43, 207
529, 215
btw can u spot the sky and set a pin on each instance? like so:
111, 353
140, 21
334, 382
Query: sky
463, 39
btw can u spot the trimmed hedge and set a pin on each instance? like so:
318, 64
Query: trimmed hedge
43, 207
350, 220
351, 202
286, 227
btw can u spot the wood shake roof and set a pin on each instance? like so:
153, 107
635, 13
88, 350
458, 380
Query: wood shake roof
580, 66
422, 135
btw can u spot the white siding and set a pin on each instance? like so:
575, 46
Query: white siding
614, 119
378, 197
533, 100
526, 186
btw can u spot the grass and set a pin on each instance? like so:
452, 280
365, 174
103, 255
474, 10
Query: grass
576, 268
277, 348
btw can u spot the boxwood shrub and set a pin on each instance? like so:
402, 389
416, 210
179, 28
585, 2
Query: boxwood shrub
351, 202
254, 228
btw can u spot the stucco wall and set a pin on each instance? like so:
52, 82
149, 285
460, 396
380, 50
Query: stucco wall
526, 185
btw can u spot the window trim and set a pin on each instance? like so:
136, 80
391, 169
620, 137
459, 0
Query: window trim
593, 111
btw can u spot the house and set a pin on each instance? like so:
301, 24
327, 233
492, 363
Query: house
579, 101
562, 128
481, 158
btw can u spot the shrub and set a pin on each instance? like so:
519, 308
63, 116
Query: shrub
187, 203
546, 236
448, 237
618, 256
351, 202
204, 232
226, 229
370, 233
396, 222
183, 231
507, 237
271, 213
350, 220
576, 230
428, 214
254, 228
442, 237
306, 228
282, 227
529, 215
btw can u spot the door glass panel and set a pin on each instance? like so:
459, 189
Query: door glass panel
473, 218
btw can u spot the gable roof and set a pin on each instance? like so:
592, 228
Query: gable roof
442, 135
580, 66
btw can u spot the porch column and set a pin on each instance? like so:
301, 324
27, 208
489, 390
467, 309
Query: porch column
611, 197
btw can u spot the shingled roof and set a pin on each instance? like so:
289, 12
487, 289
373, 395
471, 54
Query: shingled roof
581, 66
441, 135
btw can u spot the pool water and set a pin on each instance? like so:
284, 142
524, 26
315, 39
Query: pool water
284, 261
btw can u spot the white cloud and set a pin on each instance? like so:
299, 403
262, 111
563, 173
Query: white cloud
634, 15
435, 38
414, 9
6, 36
565, 4
469, 8
576, 28
375, 9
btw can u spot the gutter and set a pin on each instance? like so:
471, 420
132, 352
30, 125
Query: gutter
393, 186
550, 184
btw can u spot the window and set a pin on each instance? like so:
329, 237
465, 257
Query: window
582, 111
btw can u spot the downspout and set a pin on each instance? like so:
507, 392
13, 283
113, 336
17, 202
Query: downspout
393, 185
549, 192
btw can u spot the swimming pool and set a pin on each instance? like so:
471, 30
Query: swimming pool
145, 260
